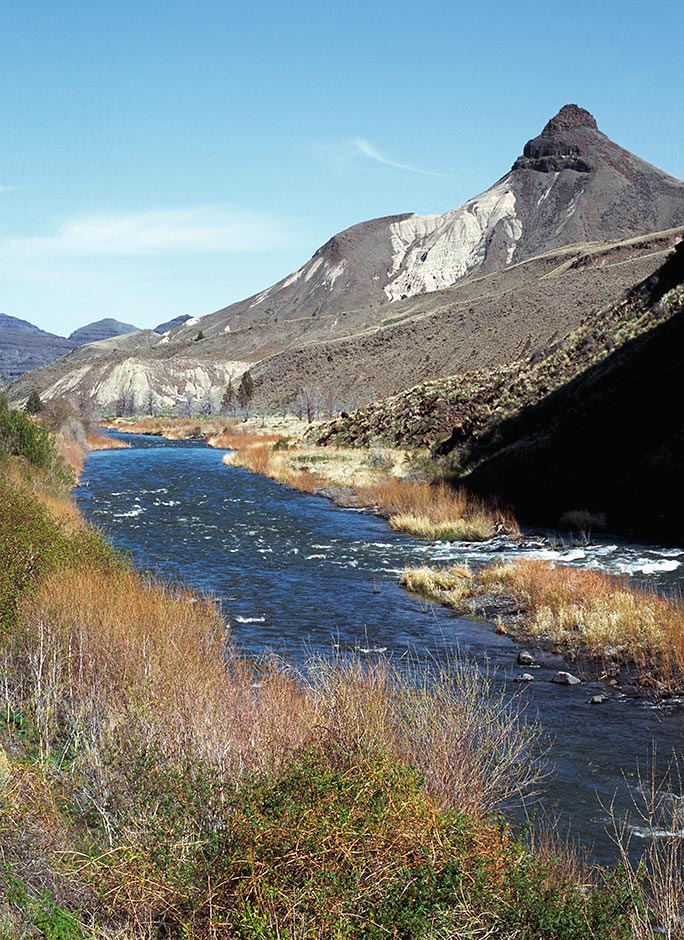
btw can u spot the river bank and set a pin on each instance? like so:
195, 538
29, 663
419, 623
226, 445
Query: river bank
403, 486
142, 762
628, 636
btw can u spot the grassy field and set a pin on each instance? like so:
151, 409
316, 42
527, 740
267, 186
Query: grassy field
156, 784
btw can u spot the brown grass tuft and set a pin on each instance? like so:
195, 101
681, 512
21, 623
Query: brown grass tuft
588, 612
370, 478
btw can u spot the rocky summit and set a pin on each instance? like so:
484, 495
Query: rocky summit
402, 299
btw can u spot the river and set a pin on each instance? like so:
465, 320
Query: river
296, 575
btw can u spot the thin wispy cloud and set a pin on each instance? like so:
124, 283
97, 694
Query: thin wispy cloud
366, 149
5, 188
194, 230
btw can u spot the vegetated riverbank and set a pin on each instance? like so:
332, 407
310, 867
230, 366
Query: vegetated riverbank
630, 636
154, 783
398, 484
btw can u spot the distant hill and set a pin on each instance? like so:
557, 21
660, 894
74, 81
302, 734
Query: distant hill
99, 330
24, 346
172, 324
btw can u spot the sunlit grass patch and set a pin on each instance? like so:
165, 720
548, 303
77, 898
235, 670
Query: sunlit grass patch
581, 610
474, 529
377, 479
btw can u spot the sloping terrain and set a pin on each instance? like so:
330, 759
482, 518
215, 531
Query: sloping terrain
24, 346
134, 372
402, 299
572, 185
610, 442
480, 323
593, 424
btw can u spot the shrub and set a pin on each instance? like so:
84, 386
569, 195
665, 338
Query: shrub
21, 437
33, 543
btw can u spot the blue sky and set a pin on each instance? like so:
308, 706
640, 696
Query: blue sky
164, 157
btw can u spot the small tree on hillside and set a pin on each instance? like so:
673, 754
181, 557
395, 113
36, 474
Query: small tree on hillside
34, 405
246, 389
229, 400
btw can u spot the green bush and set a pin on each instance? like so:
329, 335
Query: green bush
342, 848
32, 543
21, 437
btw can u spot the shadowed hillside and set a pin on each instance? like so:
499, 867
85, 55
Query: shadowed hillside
610, 442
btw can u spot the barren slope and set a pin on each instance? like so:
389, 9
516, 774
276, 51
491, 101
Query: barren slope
401, 299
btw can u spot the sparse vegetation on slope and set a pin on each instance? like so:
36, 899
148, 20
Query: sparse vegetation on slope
451, 415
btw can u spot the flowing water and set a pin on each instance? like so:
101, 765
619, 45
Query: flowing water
296, 575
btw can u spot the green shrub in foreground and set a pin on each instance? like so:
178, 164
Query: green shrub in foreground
22, 437
337, 847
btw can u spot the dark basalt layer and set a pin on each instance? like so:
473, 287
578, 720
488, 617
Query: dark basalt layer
552, 163
552, 151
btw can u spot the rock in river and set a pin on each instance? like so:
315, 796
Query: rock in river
566, 678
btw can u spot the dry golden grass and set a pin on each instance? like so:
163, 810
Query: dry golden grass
240, 439
109, 644
438, 511
115, 656
133, 695
375, 479
97, 441
450, 722
583, 611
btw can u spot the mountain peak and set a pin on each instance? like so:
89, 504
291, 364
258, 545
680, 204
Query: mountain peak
563, 144
569, 117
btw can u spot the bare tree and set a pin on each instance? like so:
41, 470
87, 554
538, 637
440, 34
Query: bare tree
310, 402
207, 403
185, 408
229, 402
